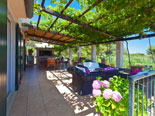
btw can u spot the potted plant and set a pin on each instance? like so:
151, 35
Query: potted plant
103, 61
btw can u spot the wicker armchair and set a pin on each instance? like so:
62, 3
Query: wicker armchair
82, 82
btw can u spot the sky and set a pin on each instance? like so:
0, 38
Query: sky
135, 46
139, 46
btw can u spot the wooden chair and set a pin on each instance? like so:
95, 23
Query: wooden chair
42, 63
51, 62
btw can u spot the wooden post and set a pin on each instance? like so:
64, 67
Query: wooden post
79, 52
70, 56
93, 53
119, 54
70, 19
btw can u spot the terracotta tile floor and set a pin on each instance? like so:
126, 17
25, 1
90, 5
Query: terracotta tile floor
49, 93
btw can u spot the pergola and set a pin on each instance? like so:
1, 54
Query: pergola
97, 23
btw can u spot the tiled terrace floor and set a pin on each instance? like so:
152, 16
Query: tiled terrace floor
49, 93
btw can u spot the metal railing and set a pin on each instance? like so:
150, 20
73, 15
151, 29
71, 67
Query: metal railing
142, 94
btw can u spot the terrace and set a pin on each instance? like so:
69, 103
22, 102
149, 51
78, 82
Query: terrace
51, 91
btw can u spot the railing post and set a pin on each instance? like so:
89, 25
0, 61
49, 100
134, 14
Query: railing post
131, 96
70, 56
154, 96
140, 80
79, 52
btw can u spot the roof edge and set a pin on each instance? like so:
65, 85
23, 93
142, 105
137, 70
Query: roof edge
29, 4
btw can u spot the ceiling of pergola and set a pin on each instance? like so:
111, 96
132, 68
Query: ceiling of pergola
33, 33
92, 26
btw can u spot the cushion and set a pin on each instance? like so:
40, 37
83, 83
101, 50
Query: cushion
81, 68
109, 68
87, 71
91, 65
134, 72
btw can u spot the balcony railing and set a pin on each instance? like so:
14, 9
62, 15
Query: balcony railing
142, 94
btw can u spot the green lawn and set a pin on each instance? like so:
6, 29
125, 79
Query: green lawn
135, 60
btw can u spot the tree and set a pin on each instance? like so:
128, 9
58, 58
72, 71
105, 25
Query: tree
32, 43
138, 55
86, 52
151, 51
61, 50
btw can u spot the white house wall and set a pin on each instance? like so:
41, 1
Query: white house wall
16, 11
17, 7
11, 62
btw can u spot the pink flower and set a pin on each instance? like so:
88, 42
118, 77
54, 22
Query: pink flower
97, 114
106, 83
116, 96
96, 92
107, 94
97, 84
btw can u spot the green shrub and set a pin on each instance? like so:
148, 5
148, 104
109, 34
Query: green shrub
109, 107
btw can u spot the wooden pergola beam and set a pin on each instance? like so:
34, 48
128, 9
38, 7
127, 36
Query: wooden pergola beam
97, 19
123, 39
63, 35
127, 17
69, 37
83, 14
55, 33
52, 12
101, 17
42, 5
45, 42
52, 24
99, 1
65, 27
43, 2
70, 1
65, 39
58, 17
47, 38
38, 21
88, 23
60, 37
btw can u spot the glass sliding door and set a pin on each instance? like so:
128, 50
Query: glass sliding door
9, 57
20, 56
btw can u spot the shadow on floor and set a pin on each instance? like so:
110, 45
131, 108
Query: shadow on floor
62, 81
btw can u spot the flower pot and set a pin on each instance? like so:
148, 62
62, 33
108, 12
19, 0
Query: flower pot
103, 62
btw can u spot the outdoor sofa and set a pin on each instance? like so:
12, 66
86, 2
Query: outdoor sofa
82, 80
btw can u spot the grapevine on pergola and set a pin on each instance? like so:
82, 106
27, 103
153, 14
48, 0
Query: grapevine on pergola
97, 20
